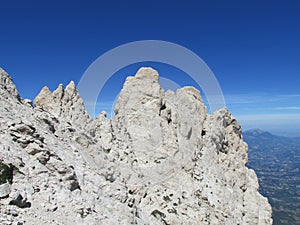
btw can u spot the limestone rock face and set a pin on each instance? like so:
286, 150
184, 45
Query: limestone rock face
7, 87
160, 160
64, 104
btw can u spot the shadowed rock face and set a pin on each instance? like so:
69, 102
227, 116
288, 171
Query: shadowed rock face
160, 160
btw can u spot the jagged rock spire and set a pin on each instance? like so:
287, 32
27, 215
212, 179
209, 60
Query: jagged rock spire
7, 87
65, 104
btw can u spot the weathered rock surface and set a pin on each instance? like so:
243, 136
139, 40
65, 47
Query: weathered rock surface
160, 160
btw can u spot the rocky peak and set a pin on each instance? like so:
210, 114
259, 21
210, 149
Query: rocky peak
65, 104
71, 90
140, 89
160, 160
147, 73
43, 98
7, 87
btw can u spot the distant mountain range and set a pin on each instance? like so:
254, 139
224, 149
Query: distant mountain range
276, 160
259, 135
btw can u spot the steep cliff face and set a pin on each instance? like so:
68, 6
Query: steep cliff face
160, 160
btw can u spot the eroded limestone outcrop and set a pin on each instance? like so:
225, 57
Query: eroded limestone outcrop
160, 160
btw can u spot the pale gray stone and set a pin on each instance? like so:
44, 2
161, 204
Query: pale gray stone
4, 190
162, 159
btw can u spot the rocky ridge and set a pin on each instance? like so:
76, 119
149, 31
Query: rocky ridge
160, 160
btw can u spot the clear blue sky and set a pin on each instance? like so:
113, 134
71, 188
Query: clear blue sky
253, 47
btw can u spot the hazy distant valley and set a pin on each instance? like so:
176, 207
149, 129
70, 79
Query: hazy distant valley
276, 161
